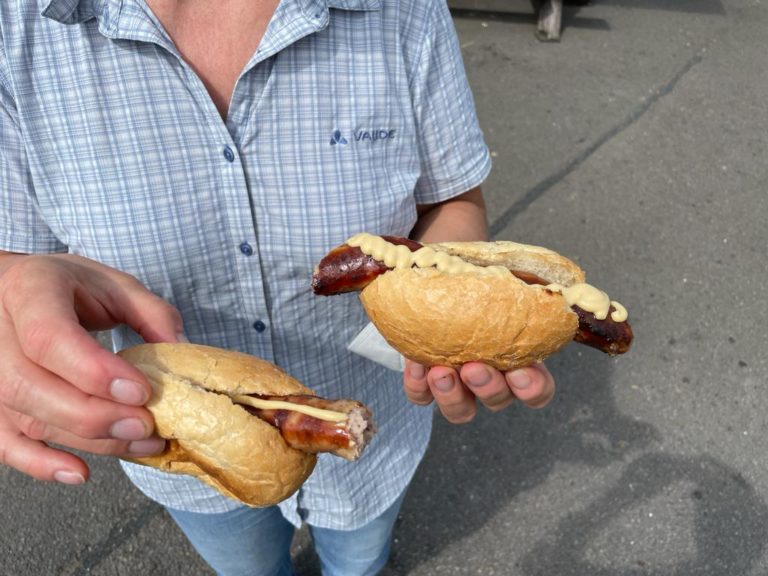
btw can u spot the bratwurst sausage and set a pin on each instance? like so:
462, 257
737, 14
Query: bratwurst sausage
346, 438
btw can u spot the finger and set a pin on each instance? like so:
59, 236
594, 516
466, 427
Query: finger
41, 431
130, 303
415, 383
62, 347
534, 385
487, 384
32, 390
457, 404
50, 334
36, 459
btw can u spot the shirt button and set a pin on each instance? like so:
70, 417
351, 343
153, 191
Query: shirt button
228, 154
246, 249
259, 326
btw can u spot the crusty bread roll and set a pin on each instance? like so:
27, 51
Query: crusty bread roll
211, 437
449, 319
542, 262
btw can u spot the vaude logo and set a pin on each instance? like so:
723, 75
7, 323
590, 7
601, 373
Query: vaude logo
363, 136
337, 138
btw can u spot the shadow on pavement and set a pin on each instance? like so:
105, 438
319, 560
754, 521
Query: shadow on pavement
730, 526
472, 472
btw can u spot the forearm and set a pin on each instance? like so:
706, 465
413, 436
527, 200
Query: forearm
462, 218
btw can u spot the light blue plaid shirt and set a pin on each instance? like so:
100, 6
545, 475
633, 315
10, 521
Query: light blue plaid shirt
350, 114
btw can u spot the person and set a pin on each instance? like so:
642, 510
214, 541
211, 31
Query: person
173, 170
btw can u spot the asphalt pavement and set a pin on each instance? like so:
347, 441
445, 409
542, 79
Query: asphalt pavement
637, 146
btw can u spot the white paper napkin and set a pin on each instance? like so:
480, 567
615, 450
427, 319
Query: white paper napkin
370, 344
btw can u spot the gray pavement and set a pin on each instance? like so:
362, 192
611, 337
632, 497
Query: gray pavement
637, 146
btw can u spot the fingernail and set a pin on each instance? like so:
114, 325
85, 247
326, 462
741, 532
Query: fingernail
417, 371
480, 378
129, 429
520, 379
444, 384
146, 447
181, 337
128, 392
68, 477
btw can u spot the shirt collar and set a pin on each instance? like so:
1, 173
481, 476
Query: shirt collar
76, 11
354, 4
317, 11
72, 11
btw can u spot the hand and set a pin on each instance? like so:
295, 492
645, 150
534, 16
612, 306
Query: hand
457, 391
57, 384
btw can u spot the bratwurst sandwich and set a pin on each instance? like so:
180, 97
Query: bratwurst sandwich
241, 424
503, 303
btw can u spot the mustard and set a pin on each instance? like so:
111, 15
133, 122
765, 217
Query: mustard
398, 256
583, 295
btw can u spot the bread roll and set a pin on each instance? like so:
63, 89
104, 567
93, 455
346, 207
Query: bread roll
211, 437
542, 262
448, 319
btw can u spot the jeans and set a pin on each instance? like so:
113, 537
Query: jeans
256, 541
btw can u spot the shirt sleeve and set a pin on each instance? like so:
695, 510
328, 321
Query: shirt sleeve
21, 227
453, 154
